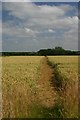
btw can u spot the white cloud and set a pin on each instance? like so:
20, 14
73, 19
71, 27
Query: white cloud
28, 30
66, 7
25, 10
0, 28
0, 35
38, 21
51, 31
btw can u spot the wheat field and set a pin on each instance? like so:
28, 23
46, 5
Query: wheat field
21, 78
67, 68
0, 87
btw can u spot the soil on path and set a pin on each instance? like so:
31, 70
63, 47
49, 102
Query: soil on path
45, 90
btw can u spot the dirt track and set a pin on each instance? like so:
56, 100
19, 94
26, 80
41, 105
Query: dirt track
45, 91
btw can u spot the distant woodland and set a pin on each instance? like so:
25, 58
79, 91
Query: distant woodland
43, 52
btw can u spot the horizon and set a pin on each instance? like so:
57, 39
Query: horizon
41, 49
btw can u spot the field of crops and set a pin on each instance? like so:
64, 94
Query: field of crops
0, 87
66, 63
21, 77
19, 80
67, 74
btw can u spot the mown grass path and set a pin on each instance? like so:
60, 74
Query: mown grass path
45, 91
45, 97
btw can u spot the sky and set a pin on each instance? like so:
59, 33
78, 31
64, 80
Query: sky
28, 26
39, 0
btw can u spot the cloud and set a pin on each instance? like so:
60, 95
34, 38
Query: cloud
28, 30
51, 31
24, 10
0, 35
39, 1
32, 24
0, 27
16, 0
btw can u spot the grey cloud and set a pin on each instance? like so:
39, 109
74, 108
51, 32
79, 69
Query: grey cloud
40, 26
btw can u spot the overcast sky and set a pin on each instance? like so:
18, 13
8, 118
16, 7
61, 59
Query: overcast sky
39, 0
32, 26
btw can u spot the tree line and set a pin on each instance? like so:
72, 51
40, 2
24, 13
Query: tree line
43, 52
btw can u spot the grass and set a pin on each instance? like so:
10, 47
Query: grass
66, 81
0, 87
26, 94
38, 111
19, 76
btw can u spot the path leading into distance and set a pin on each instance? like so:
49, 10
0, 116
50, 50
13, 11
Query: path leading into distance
45, 90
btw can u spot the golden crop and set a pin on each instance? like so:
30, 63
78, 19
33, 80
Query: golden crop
68, 69
0, 87
19, 76
68, 65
